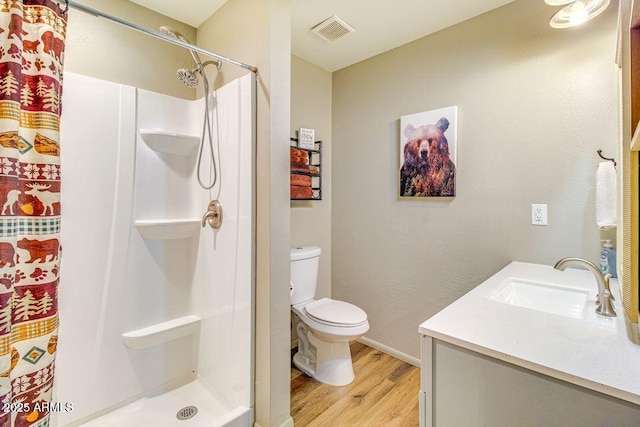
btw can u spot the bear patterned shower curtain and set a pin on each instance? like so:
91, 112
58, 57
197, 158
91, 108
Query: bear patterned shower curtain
32, 35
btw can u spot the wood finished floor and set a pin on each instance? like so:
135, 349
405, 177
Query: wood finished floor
384, 393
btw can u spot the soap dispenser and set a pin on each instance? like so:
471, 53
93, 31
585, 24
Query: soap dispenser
608, 259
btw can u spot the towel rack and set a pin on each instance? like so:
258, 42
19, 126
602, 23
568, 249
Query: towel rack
606, 158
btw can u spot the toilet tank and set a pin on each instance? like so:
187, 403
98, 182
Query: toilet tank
304, 263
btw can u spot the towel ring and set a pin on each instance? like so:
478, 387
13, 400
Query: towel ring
606, 158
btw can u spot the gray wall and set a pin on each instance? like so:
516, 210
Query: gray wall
534, 106
311, 108
102, 49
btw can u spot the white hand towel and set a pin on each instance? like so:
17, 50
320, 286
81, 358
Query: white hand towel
606, 196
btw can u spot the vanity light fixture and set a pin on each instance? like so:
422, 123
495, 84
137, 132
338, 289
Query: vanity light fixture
576, 13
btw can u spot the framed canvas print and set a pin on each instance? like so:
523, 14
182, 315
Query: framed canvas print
427, 155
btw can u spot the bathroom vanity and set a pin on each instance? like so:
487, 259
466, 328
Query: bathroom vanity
526, 348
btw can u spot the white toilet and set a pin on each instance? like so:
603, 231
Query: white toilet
324, 326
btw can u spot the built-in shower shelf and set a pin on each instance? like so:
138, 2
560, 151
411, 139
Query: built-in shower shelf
165, 229
170, 143
162, 332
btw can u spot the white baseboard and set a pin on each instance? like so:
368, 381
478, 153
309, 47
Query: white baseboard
391, 351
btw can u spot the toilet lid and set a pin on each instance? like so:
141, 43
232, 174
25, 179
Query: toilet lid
336, 312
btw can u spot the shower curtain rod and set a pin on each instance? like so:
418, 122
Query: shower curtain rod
99, 14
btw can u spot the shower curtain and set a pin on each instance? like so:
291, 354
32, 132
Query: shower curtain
32, 34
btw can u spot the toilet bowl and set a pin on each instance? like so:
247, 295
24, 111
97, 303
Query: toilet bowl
325, 326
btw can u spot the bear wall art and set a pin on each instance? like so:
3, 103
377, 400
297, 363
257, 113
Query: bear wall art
427, 154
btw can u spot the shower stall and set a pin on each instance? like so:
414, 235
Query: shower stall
157, 307
148, 320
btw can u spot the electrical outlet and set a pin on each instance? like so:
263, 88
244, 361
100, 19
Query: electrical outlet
538, 214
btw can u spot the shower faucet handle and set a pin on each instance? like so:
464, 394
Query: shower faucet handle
213, 215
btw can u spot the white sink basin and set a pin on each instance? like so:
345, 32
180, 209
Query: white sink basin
550, 298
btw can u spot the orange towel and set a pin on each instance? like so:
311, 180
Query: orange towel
300, 180
294, 151
299, 167
298, 159
299, 153
301, 192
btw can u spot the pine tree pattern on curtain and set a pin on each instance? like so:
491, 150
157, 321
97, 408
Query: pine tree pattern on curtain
32, 35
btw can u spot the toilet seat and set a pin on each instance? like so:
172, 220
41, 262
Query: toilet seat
336, 313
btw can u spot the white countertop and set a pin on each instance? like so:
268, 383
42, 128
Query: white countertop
595, 352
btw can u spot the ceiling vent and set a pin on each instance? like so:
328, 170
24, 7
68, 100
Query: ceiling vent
332, 29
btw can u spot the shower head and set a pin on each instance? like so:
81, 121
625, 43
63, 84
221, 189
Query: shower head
188, 77
175, 34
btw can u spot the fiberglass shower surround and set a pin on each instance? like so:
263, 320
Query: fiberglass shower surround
153, 301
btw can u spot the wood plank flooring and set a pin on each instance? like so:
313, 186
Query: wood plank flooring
384, 393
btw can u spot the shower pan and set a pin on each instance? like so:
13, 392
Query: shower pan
158, 311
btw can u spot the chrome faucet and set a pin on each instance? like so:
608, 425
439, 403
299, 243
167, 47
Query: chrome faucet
603, 303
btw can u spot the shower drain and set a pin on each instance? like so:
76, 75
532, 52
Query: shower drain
187, 412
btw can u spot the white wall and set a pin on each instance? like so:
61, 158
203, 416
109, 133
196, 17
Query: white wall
534, 106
